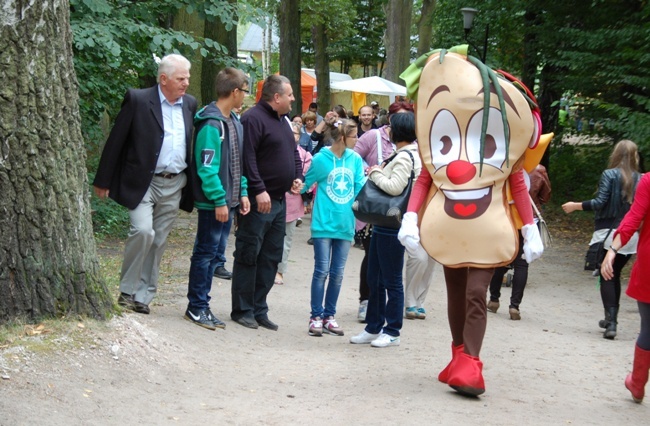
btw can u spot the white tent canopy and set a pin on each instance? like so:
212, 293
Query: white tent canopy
374, 85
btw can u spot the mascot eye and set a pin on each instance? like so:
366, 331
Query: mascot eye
495, 144
444, 139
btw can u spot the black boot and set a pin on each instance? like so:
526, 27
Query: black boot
610, 331
603, 322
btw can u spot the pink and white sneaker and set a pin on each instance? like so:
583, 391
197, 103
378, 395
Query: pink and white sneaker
315, 327
331, 326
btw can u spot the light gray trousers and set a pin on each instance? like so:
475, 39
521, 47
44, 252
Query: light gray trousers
417, 278
151, 222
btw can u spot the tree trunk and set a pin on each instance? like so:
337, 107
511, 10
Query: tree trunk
289, 22
211, 64
321, 67
425, 27
48, 259
397, 38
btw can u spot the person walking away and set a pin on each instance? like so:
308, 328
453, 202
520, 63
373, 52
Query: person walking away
613, 199
219, 189
143, 168
338, 172
540, 193
386, 255
272, 167
639, 285
295, 209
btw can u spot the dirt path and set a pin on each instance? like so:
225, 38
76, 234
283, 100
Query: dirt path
552, 367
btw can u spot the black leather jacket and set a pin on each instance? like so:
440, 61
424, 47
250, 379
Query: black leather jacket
608, 205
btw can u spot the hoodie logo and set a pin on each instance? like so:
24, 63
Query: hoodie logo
340, 185
207, 155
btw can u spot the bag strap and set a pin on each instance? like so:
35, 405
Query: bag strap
539, 215
380, 157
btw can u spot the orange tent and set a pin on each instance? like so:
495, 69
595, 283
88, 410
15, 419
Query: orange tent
307, 90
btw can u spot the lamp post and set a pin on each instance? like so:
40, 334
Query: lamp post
468, 19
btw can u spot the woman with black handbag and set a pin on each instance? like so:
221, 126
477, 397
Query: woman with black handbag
613, 199
384, 316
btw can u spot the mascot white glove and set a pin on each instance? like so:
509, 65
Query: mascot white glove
533, 246
409, 234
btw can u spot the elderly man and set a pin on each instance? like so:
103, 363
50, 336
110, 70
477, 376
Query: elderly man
143, 168
272, 166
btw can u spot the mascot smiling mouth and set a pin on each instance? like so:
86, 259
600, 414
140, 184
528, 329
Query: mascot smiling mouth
467, 204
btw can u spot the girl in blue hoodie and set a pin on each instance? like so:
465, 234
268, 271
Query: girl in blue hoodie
338, 172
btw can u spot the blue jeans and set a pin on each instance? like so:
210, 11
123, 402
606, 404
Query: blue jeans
385, 263
204, 259
223, 241
330, 256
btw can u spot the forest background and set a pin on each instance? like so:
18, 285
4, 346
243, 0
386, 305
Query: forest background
587, 58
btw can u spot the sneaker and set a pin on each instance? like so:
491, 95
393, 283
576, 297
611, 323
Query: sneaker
493, 306
514, 314
363, 309
223, 273
298, 222
411, 312
201, 318
310, 241
331, 326
216, 321
421, 314
316, 327
385, 340
363, 337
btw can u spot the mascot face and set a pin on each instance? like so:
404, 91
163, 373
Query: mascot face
466, 221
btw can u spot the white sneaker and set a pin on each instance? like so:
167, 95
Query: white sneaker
363, 337
384, 340
363, 308
332, 327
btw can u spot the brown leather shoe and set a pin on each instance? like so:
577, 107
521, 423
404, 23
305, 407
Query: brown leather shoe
141, 308
126, 301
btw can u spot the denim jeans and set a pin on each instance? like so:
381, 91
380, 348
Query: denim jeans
330, 256
385, 263
258, 250
223, 241
204, 259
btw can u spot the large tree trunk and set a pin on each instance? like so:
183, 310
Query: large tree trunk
321, 67
48, 259
289, 22
211, 65
397, 38
425, 27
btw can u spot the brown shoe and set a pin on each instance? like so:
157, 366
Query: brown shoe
515, 315
493, 306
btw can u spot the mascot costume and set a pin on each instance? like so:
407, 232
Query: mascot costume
475, 128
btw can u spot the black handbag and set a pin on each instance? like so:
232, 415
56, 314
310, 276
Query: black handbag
596, 254
376, 207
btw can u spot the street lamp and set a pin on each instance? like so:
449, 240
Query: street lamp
468, 19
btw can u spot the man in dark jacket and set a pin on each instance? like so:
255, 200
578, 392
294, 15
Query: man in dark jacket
143, 168
272, 166
219, 188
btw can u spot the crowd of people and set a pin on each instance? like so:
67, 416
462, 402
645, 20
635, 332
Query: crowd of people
263, 171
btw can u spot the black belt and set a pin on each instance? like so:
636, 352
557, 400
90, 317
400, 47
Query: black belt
167, 175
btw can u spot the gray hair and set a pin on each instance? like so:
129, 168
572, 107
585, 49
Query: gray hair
171, 63
272, 85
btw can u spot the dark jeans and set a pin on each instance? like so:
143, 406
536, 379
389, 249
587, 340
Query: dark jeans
258, 250
204, 259
643, 341
364, 290
223, 241
610, 290
519, 278
385, 263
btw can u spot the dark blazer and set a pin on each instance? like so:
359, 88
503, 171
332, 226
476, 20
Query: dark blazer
128, 162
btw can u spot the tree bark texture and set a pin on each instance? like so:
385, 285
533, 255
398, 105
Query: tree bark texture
425, 27
397, 38
321, 67
48, 259
211, 65
289, 23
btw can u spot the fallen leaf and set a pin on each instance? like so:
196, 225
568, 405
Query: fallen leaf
80, 325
